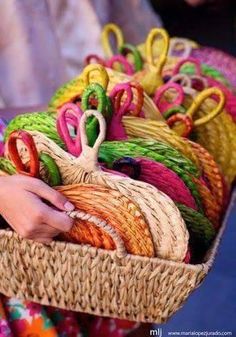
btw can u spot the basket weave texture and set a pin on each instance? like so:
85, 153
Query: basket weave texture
63, 274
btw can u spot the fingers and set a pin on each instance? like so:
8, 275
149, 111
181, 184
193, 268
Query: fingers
29, 215
49, 194
45, 223
49, 221
59, 221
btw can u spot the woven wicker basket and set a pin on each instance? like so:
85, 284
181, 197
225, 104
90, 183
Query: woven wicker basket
106, 283
96, 281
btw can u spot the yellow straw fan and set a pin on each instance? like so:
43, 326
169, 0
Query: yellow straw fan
169, 233
111, 29
136, 127
214, 129
151, 76
108, 78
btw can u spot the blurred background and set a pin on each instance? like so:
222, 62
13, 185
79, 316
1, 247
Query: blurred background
43, 43
210, 23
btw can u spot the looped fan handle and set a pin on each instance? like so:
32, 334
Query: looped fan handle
120, 247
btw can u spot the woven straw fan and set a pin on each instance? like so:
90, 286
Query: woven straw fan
35, 121
157, 151
98, 204
160, 152
209, 81
163, 153
134, 126
190, 69
158, 175
117, 225
169, 233
200, 192
222, 139
214, 129
96, 73
219, 60
168, 182
45, 122
176, 97
212, 173
158, 47
202, 233
113, 209
151, 77
209, 204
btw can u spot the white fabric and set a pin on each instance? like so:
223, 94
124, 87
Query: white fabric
43, 43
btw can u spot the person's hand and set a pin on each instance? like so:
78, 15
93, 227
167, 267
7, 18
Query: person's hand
24, 205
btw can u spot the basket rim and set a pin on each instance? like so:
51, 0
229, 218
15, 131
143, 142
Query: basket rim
205, 266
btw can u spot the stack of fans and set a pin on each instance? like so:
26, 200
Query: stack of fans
143, 143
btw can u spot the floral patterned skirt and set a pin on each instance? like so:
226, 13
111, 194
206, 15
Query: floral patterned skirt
27, 319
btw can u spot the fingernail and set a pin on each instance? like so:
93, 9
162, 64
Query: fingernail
69, 206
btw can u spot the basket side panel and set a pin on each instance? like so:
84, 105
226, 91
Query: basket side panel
86, 279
